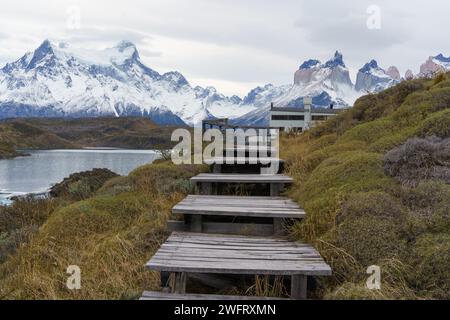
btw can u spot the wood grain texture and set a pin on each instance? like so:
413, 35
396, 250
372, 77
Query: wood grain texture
207, 253
156, 295
242, 178
264, 207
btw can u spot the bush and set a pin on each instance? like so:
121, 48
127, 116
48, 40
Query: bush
429, 205
419, 159
372, 204
437, 124
369, 239
431, 260
82, 185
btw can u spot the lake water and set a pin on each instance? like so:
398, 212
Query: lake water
38, 172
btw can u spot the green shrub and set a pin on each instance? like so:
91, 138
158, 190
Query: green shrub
437, 124
390, 141
429, 205
372, 204
351, 171
82, 185
369, 239
430, 257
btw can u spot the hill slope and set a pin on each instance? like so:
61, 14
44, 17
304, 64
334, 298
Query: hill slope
376, 187
369, 201
45, 133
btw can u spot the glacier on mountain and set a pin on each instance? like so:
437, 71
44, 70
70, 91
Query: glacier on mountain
58, 80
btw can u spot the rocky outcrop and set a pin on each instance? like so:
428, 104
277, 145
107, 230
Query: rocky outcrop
372, 78
431, 68
409, 75
393, 72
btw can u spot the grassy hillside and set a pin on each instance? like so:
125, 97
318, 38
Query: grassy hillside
37, 133
377, 192
374, 184
109, 236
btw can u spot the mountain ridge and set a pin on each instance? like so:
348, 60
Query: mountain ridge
58, 80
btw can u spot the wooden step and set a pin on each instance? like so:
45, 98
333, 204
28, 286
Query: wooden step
247, 150
242, 178
207, 253
263, 207
156, 295
185, 253
249, 229
242, 160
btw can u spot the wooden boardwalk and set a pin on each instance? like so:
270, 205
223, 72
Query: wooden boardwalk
241, 178
206, 253
156, 295
263, 207
202, 244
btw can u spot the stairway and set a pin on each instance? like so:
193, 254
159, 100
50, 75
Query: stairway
234, 235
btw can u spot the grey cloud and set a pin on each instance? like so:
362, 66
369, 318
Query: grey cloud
245, 40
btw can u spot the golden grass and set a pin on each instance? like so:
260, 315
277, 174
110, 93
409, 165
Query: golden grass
109, 236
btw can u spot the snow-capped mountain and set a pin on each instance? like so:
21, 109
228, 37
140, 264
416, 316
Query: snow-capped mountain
435, 65
60, 80
372, 78
327, 83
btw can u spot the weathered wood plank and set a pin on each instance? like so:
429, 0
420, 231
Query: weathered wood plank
153, 295
179, 282
243, 160
249, 229
242, 178
256, 267
299, 287
239, 206
213, 254
196, 223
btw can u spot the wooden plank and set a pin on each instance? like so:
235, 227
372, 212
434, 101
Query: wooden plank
279, 227
206, 188
276, 189
242, 178
239, 206
179, 283
261, 267
196, 223
153, 295
299, 287
205, 253
173, 225
212, 255
243, 160
251, 229
218, 197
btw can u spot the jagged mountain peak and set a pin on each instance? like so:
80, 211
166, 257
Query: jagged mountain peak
394, 73
308, 64
373, 64
63, 80
125, 44
337, 60
434, 65
372, 78
176, 77
440, 57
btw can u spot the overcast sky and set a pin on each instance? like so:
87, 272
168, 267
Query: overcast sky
235, 45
